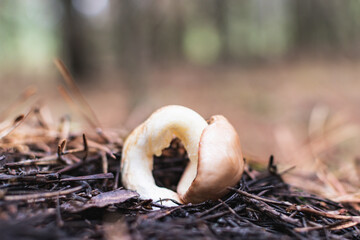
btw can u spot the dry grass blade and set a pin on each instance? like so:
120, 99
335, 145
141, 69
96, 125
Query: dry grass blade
89, 114
64, 128
40, 117
71, 84
18, 120
329, 179
349, 198
77, 109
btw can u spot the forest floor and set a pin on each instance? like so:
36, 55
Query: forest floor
305, 114
59, 184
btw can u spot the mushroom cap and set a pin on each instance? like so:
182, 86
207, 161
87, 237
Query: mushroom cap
214, 151
220, 163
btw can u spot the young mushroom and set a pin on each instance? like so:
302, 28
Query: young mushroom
213, 148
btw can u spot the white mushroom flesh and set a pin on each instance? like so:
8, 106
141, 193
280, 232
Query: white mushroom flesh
150, 138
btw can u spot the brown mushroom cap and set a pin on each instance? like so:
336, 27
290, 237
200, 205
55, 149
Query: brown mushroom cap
220, 163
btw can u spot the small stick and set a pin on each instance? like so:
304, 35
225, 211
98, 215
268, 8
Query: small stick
259, 198
230, 209
59, 221
209, 210
72, 151
343, 225
263, 207
52, 159
104, 162
78, 164
61, 148
216, 215
89, 177
310, 196
117, 176
85, 149
42, 195
101, 147
324, 214
333, 227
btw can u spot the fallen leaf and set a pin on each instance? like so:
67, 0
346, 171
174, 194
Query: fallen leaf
101, 200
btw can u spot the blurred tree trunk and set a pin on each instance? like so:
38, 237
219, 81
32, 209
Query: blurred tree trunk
221, 16
74, 50
156, 35
179, 30
166, 31
132, 23
315, 25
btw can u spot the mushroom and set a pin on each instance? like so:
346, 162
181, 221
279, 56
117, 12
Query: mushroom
213, 148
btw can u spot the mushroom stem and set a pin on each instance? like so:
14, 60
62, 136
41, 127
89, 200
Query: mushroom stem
150, 138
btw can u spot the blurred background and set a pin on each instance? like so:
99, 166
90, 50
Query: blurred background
284, 72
